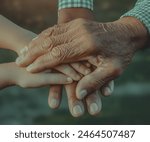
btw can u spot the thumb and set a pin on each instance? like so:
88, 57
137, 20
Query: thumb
96, 80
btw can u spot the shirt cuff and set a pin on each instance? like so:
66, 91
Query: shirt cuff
141, 11
76, 4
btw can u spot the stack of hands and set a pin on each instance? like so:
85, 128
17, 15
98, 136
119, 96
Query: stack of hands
79, 53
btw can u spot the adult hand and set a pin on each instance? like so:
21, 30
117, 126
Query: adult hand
114, 45
93, 102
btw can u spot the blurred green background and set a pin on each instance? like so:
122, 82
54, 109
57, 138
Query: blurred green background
130, 102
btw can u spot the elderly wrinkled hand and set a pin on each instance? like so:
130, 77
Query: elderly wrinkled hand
108, 46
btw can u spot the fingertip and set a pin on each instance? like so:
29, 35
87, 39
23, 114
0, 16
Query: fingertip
24, 50
107, 91
53, 103
77, 110
111, 85
34, 68
77, 77
76, 106
69, 80
30, 68
94, 109
18, 61
54, 97
94, 103
35, 38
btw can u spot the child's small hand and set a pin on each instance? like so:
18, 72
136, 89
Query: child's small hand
12, 75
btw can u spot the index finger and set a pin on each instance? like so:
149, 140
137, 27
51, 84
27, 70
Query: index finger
55, 30
42, 43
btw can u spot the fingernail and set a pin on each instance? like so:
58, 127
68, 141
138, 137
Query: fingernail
54, 103
111, 86
83, 93
69, 80
87, 71
93, 108
18, 60
30, 67
24, 50
34, 38
107, 91
77, 110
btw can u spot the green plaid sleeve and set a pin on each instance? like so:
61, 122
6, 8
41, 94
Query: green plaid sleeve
141, 11
75, 3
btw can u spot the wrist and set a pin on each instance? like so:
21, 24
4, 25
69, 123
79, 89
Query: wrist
23, 40
12, 36
8, 75
137, 31
69, 14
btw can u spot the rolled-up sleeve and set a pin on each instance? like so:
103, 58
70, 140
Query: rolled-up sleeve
141, 11
75, 3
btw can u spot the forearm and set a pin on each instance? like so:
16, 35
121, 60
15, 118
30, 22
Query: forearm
12, 36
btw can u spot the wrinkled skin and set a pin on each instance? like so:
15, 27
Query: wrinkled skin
17, 37
113, 44
93, 102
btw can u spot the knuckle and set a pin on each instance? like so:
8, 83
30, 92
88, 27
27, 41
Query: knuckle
44, 33
52, 42
58, 53
96, 83
52, 31
46, 44
34, 52
42, 61
48, 32
96, 60
56, 30
34, 47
